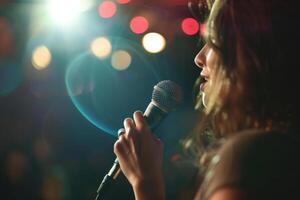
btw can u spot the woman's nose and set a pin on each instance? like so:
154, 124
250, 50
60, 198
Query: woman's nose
200, 59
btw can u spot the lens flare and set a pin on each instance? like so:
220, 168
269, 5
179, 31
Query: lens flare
154, 42
41, 57
101, 47
95, 87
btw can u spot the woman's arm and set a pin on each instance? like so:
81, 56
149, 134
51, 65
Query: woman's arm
149, 190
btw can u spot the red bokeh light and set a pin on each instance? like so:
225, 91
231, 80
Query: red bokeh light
203, 29
123, 1
190, 26
175, 157
6, 39
139, 25
107, 9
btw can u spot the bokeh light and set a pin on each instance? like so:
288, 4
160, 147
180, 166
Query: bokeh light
154, 42
121, 60
203, 29
101, 47
107, 9
139, 24
190, 26
41, 57
64, 11
123, 1
6, 40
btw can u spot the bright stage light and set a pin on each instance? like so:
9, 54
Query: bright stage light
154, 42
101, 47
64, 11
41, 57
121, 60
86, 5
107, 9
190, 26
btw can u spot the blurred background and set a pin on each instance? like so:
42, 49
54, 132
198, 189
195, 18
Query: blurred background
70, 72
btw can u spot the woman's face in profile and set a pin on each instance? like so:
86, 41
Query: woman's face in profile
206, 60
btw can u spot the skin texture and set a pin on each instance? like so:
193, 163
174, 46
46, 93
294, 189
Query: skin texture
140, 155
206, 60
228, 193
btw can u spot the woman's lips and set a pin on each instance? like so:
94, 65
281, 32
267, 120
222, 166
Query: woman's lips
203, 82
202, 86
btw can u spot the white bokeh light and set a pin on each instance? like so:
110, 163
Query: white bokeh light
121, 60
101, 47
154, 42
41, 57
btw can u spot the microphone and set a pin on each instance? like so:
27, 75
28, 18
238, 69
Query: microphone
166, 96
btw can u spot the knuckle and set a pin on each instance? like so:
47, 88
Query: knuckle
128, 121
130, 135
122, 139
129, 130
143, 128
117, 147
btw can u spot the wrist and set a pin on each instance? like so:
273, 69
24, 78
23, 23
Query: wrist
151, 188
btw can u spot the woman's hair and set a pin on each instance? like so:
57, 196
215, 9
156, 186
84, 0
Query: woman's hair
255, 80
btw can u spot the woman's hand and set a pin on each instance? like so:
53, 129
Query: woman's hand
140, 155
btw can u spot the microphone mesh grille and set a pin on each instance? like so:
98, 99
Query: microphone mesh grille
167, 95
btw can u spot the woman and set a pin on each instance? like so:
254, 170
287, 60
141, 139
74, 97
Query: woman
249, 65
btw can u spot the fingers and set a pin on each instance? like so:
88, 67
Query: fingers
140, 122
137, 124
121, 146
129, 136
129, 125
130, 130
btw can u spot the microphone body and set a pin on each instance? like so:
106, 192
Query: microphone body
165, 97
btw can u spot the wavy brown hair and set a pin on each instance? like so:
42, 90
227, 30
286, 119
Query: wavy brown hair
255, 84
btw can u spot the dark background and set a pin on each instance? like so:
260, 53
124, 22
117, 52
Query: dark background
48, 149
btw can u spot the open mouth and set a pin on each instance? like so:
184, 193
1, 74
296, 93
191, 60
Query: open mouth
203, 83
202, 86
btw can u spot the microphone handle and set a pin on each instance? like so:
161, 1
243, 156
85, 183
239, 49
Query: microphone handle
153, 115
108, 179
